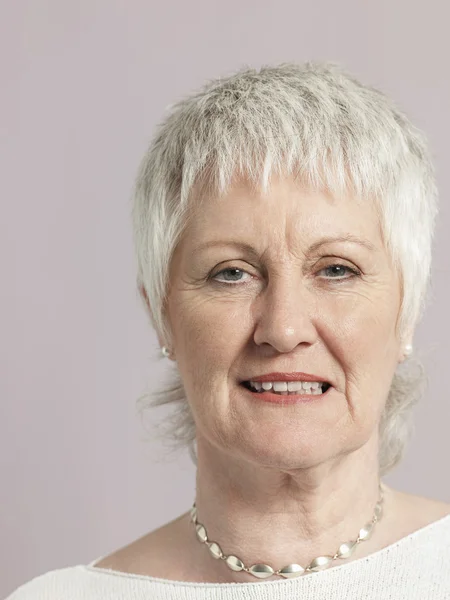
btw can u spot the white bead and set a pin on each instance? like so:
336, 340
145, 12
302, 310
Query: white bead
366, 531
215, 550
346, 550
292, 570
235, 563
261, 571
201, 533
320, 563
378, 510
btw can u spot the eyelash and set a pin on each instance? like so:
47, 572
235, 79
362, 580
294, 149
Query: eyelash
355, 273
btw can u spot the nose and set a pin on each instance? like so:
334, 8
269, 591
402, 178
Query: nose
284, 316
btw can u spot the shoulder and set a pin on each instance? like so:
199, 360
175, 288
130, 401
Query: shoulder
427, 510
414, 512
159, 553
69, 583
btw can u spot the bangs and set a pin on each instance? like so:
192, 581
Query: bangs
330, 136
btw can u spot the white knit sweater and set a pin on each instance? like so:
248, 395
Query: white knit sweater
417, 567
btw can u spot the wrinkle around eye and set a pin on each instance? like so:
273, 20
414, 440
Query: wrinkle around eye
351, 273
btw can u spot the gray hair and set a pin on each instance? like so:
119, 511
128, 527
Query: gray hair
319, 123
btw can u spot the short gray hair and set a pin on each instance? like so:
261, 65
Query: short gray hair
319, 123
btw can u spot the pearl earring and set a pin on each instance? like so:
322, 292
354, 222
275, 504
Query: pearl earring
408, 349
165, 351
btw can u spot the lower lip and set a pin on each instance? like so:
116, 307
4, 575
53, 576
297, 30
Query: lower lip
286, 399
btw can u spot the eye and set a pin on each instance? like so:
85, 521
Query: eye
230, 275
338, 271
234, 275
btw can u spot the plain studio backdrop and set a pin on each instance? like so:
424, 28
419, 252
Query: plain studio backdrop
84, 83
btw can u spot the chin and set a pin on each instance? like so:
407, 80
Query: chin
284, 451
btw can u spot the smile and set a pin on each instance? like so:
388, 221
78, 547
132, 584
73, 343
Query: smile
282, 392
288, 387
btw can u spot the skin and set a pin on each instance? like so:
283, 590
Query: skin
282, 483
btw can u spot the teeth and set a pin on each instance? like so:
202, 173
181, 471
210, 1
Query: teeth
310, 387
294, 386
280, 386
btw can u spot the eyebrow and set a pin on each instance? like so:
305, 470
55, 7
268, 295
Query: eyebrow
349, 237
326, 240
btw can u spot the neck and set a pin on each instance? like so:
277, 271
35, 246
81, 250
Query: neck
278, 517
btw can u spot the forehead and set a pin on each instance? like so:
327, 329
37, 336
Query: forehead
288, 211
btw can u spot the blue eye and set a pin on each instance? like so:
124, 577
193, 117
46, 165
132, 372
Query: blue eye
234, 275
234, 272
338, 271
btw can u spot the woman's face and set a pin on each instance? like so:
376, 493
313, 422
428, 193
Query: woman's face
294, 281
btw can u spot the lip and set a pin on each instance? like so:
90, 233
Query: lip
287, 399
297, 376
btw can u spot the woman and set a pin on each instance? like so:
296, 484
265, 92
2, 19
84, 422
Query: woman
283, 221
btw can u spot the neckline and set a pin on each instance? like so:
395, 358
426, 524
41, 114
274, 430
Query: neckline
279, 582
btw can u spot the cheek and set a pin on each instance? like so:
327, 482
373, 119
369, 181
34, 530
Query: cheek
207, 335
363, 322
362, 338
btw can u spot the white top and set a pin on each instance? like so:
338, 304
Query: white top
417, 567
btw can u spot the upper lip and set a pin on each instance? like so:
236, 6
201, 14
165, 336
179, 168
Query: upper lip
297, 376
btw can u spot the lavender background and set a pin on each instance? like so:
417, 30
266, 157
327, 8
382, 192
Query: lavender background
84, 83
